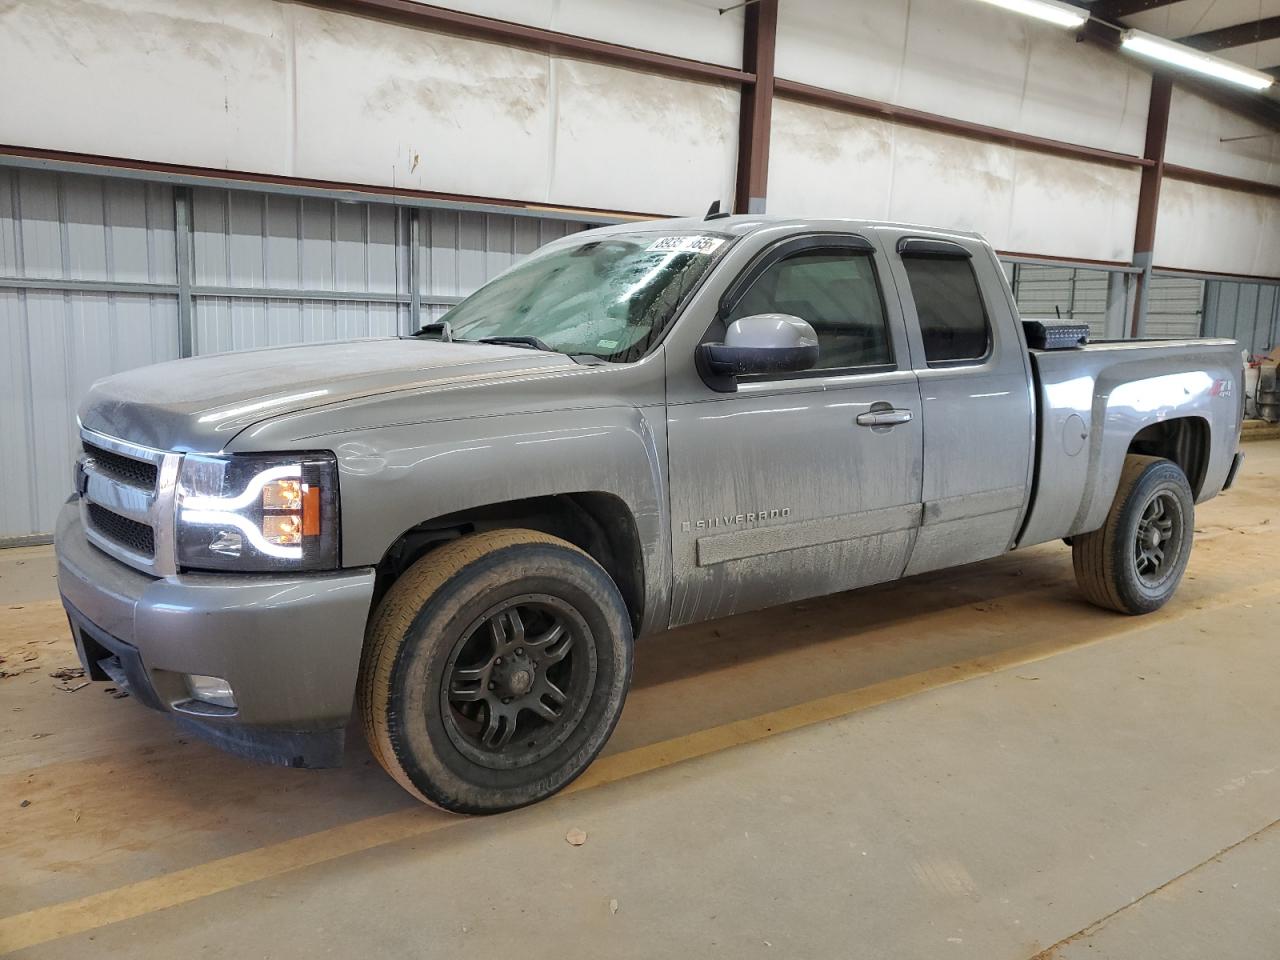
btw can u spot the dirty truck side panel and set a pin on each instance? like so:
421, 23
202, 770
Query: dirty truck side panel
415, 457
777, 493
979, 423
1095, 400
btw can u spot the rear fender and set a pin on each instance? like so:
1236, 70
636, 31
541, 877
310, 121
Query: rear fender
1093, 404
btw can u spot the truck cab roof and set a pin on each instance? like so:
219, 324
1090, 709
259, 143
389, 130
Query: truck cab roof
739, 225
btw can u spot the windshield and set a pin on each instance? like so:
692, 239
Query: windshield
610, 297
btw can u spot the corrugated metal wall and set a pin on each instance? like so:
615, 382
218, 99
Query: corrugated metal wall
1248, 312
1071, 293
90, 286
1174, 307
457, 252
270, 270
59, 238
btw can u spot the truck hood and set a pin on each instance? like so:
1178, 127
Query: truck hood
199, 404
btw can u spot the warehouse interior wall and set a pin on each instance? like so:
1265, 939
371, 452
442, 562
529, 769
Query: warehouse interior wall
94, 281
299, 91
261, 172
970, 61
825, 162
304, 90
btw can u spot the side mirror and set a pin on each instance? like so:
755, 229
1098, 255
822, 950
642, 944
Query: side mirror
764, 343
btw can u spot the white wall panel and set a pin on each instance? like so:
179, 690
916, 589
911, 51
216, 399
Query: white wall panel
969, 61
693, 29
1066, 207
420, 110
636, 141
1207, 137
950, 182
1208, 228
432, 112
293, 90
825, 162
181, 81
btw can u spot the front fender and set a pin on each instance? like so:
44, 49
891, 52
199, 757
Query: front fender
393, 478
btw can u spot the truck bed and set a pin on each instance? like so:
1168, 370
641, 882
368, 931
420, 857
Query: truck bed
1094, 402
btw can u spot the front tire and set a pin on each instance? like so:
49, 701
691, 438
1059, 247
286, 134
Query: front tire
1136, 561
494, 671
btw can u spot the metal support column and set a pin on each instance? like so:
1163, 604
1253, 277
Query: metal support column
184, 261
759, 40
1118, 307
415, 281
1144, 239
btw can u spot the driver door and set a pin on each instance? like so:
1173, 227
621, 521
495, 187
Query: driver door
790, 487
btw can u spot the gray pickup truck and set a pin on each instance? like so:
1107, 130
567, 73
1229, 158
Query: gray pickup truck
460, 533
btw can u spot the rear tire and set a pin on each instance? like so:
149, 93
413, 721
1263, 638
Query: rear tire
1135, 562
494, 670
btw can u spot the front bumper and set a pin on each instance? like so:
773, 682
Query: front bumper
289, 644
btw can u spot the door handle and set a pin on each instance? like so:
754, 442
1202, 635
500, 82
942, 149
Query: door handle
883, 418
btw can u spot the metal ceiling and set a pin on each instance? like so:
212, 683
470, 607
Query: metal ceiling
1246, 32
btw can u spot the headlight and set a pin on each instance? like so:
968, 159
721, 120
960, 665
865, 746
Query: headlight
258, 512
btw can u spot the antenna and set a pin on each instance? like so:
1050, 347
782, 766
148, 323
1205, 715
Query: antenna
714, 212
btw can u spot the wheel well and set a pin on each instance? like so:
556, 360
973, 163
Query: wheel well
1184, 440
598, 523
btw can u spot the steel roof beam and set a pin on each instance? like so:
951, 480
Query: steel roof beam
1225, 38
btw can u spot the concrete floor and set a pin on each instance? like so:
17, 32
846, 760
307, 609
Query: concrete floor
969, 764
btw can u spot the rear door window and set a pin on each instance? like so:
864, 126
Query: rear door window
953, 318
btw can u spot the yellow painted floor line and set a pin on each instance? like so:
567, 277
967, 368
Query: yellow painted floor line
44, 924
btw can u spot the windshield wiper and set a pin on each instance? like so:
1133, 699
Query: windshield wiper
532, 342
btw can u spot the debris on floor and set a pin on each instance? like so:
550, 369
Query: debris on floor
64, 676
576, 837
6, 673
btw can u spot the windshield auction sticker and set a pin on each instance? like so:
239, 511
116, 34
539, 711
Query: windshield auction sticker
687, 242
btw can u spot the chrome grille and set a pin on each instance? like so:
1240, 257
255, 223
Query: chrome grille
134, 536
126, 501
135, 473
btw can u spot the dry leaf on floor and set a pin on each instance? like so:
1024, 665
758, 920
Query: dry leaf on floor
576, 837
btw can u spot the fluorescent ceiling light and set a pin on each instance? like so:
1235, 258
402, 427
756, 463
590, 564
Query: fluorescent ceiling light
1158, 48
1054, 11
